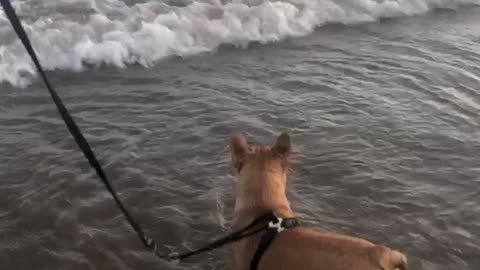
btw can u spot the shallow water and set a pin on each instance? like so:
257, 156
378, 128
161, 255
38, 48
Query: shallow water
385, 121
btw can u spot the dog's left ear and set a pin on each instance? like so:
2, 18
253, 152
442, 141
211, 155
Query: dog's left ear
284, 144
239, 149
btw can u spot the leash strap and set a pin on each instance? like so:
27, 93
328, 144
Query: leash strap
72, 126
92, 159
236, 236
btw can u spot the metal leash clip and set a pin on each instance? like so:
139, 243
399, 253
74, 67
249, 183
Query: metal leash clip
277, 225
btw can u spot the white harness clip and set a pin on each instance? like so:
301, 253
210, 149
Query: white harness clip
277, 225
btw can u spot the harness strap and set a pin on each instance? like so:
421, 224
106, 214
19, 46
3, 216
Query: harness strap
275, 227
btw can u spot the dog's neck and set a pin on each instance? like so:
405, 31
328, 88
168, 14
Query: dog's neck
257, 195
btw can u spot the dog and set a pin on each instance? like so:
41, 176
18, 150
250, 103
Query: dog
261, 188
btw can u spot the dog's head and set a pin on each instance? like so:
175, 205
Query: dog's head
261, 163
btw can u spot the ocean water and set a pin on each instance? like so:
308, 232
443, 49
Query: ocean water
381, 98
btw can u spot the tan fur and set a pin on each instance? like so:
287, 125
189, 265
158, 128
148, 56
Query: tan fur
260, 188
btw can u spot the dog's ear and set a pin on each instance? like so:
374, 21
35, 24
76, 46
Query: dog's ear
238, 150
284, 144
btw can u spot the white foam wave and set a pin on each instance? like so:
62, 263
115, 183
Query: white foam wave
72, 34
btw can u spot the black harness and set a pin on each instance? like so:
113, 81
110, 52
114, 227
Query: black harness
275, 226
269, 223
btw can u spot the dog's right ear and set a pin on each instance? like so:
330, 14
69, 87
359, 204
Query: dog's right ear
284, 144
238, 150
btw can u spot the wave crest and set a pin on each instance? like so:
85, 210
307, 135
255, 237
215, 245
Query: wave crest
70, 34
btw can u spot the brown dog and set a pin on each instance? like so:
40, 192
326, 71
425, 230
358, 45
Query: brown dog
260, 188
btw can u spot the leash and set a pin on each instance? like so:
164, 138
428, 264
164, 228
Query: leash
92, 159
234, 237
73, 128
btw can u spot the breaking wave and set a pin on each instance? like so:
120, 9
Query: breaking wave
74, 34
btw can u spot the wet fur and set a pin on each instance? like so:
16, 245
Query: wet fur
260, 188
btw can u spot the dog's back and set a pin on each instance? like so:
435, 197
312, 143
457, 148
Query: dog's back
308, 250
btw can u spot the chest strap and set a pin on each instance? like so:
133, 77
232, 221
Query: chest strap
275, 226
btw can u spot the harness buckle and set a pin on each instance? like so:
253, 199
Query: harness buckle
277, 225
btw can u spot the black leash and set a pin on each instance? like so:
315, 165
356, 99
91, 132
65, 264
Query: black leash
234, 237
72, 126
92, 159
